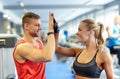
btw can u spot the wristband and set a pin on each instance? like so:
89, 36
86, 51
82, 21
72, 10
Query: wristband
56, 29
50, 33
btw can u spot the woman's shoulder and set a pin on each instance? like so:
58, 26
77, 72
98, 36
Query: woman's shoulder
77, 50
105, 54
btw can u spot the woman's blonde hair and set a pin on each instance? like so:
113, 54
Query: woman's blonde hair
98, 28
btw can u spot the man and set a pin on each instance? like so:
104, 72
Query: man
29, 54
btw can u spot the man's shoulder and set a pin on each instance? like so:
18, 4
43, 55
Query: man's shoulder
20, 41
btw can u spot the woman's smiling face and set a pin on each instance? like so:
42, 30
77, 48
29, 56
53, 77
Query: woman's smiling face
83, 33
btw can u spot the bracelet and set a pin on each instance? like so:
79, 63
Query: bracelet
50, 33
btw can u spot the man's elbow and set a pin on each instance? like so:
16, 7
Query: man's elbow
44, 59
49, 59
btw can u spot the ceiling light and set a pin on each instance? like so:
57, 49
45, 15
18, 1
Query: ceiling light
5, 15
21, 4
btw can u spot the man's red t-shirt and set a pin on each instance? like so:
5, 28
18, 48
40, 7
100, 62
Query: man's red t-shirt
29, 69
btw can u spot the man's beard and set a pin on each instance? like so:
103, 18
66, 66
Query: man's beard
34, 34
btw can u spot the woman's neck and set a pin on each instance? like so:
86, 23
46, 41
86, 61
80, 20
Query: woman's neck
91, 45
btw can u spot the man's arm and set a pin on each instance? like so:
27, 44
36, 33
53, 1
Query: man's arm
28, 51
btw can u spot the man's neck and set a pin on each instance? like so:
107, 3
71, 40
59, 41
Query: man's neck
28, 38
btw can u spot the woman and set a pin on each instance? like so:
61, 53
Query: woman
113, 38
93, 59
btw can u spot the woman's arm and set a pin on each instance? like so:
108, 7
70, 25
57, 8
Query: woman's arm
64, 50
108, 65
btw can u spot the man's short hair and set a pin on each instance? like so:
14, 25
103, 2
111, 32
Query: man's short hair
27, 16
